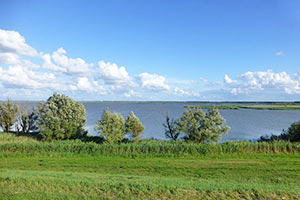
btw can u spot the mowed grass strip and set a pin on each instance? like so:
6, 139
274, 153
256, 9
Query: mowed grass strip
245, 177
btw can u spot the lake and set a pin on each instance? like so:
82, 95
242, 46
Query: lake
246, 124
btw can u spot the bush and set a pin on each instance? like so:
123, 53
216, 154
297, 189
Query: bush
61, 118
134, 127
27, 120
111, 127
202, 127
8, 115
171, 128
291, 135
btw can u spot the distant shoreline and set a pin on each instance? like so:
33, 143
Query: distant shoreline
187, 102
272, 106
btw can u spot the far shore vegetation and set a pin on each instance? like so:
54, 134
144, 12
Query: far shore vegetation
271, 106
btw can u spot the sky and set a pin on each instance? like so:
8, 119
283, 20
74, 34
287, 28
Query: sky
158, 50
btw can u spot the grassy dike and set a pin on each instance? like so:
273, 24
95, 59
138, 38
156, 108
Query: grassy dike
30, 169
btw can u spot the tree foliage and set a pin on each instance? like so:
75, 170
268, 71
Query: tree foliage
111, 127
8, 115
291, 135
134, 127
202, 127
171, 128
27, 120
61, 118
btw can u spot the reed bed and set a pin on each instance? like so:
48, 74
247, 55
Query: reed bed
22, 145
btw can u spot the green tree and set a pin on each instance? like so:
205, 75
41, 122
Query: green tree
134, 127
171, 128
8, 115
61, 118
111, 127
292, 134
27, 121
202, 127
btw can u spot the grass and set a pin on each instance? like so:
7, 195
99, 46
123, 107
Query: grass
23, 145
86, 175
273, 106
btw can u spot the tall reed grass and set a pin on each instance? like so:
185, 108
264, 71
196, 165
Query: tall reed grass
22, 145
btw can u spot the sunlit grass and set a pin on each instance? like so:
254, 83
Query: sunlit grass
30, 169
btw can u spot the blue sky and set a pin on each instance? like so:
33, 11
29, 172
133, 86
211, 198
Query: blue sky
150, 50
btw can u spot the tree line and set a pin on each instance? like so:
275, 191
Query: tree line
61, 118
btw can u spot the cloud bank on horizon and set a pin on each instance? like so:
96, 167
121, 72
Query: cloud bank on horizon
26, 74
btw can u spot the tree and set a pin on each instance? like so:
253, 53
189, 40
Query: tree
111, 127
61, 118
134, 127
171, 128
292, 134
8, 115
202, 127
28, 120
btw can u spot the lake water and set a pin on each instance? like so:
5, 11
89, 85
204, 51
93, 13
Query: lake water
246, 124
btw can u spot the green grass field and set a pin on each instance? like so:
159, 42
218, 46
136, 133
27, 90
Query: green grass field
81, 175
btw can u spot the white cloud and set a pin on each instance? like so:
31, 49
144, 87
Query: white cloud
250, 82
99, 88
13, 42
185, 93
203, 80
279, 53
49, 65
111, 74
84, 84
9, 58
228, 80
71, 65
18, 76
132, 93
153, 81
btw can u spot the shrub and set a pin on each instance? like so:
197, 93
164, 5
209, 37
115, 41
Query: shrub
292, 134
27, 120
111, 127
8, 115
134, 127
202, 127
61, 118
171, 128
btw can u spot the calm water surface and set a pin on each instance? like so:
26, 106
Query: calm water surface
245, 124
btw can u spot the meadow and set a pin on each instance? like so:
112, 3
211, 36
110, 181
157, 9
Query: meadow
31, 169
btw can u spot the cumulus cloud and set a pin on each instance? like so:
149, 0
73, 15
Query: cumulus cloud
153, 81
50, 66
13, 42
68, 65
18, 76
111, 74
185, 93
228, 80
9, 58
260, 81
132, 93
84, 84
